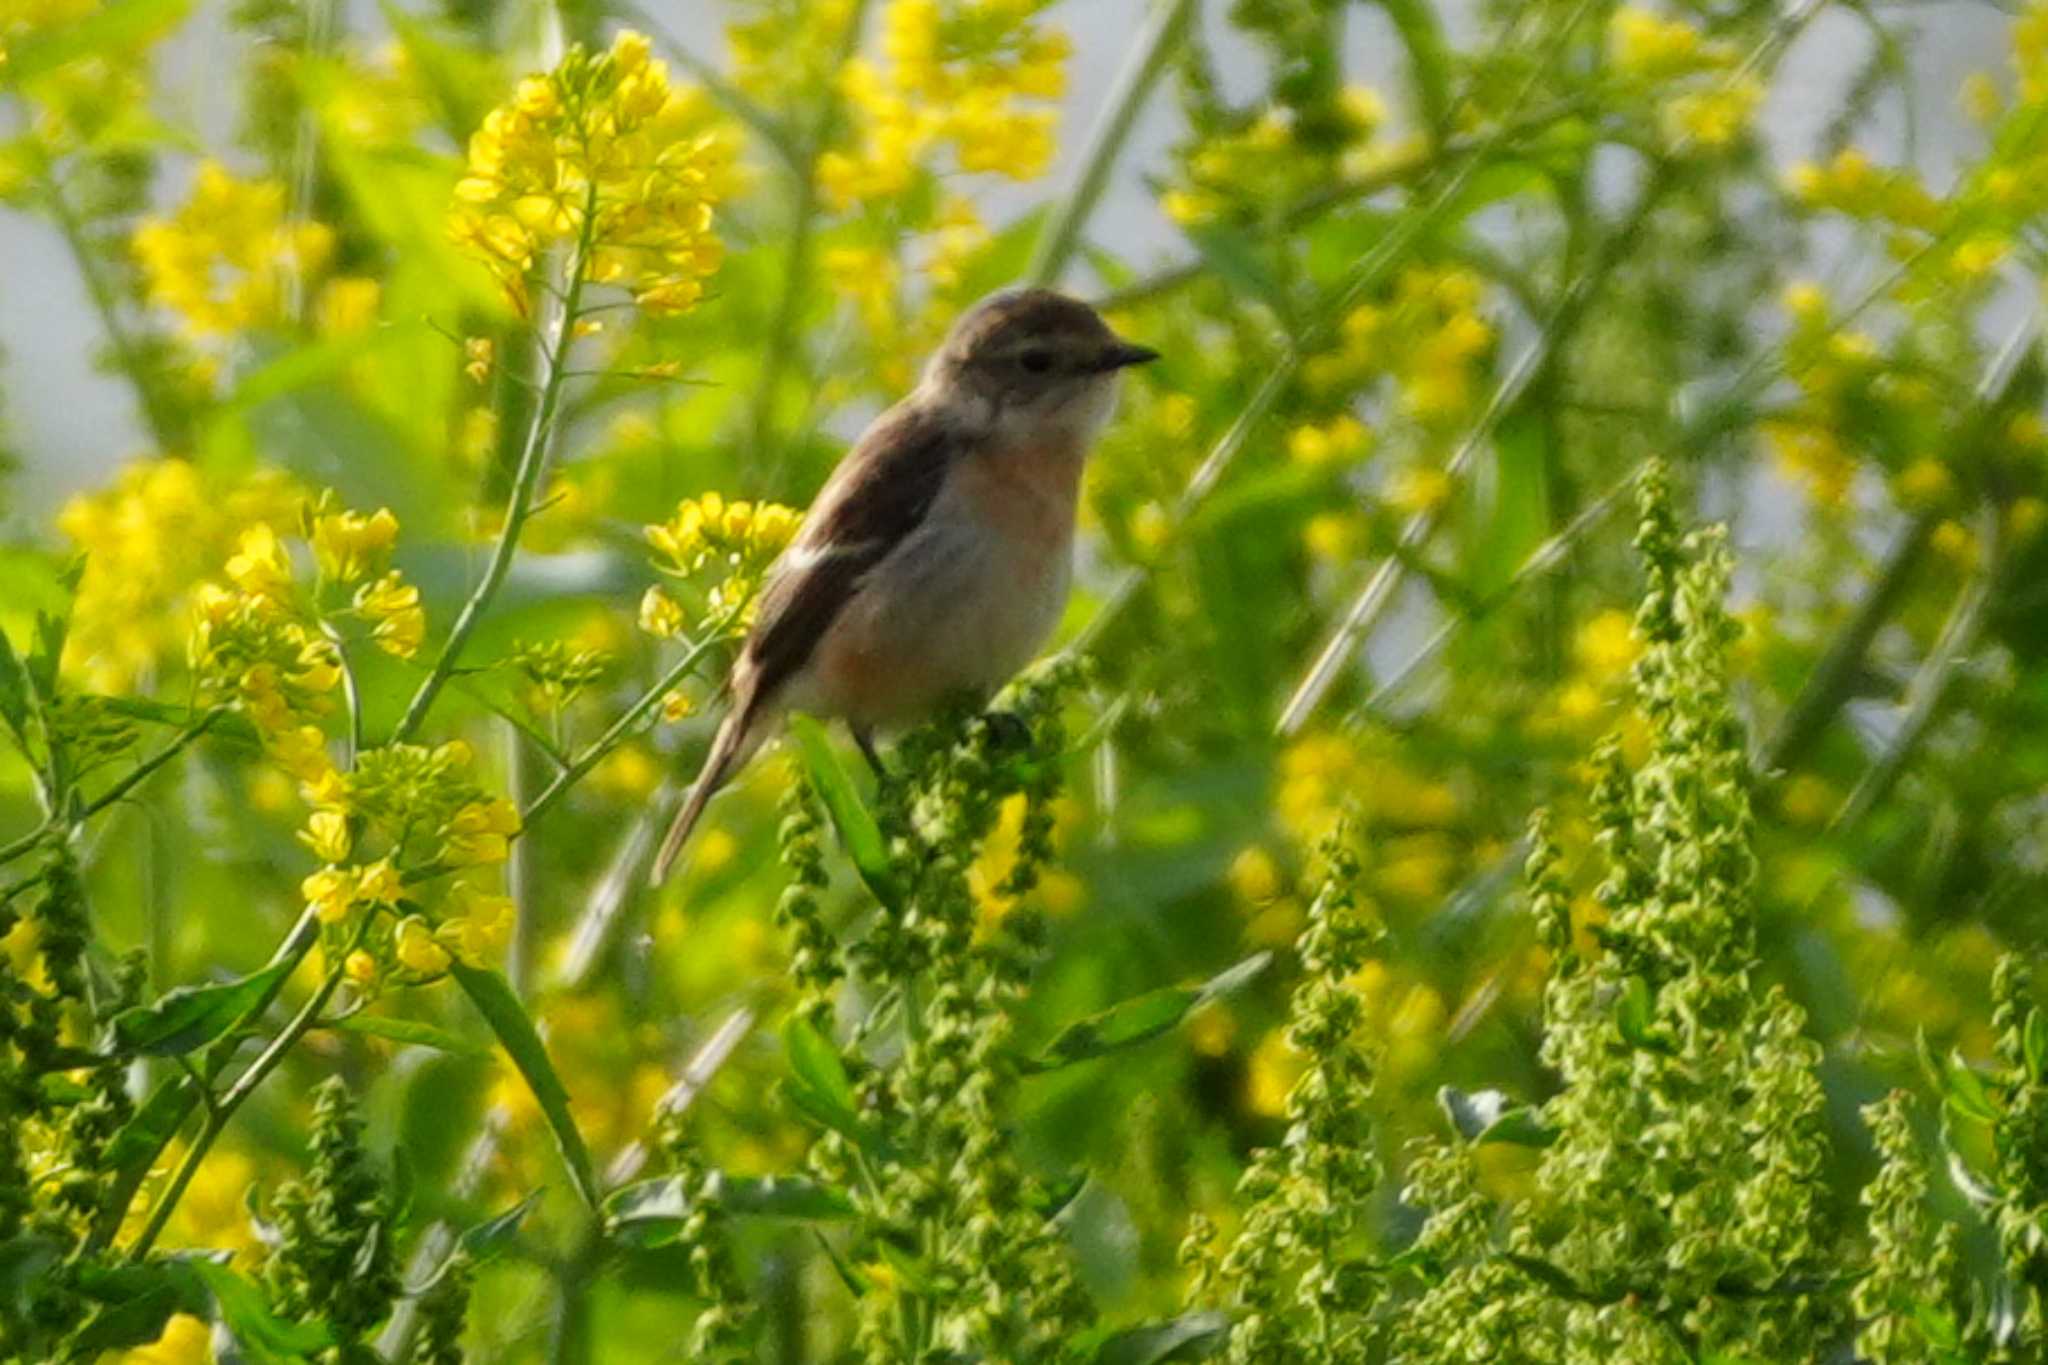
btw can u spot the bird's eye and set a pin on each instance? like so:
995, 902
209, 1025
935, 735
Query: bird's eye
1035, 360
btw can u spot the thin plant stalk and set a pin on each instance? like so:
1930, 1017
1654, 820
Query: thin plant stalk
803, 226
223, 1109
533, 459
1134, 81
128, 783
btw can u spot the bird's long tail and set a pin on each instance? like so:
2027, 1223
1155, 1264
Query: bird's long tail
727, 753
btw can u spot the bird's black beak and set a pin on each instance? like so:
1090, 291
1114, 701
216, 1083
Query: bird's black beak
1123, 353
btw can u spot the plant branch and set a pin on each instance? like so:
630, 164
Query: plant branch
803, 167
532, 460
106, 302
222, 1110
618, 731
1134, 81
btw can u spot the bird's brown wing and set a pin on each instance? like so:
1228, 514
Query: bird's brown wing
878, 496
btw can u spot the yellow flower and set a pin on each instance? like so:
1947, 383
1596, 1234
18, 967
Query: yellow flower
1270, 1074
1956, 543
329, 893
185, 1340
394, 605
1924, 483
221, 260
1807, 800
417, 948
348, 544
952, 74
1418, 489
1716, 118
677, 706
479, 353
1255, 877
1645, 46
260, 566
602, 151
1606, 645
660, 615
378, 883
1332, 536
326, 833
360, 967
480, 833
479, 923
348, 305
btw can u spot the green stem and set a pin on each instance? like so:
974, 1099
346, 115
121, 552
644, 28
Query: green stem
133, 779
796, 262
222, 1110
106, 302
304, 934
1923, 695
557, 788
1141, 71
1378, 593
532, 460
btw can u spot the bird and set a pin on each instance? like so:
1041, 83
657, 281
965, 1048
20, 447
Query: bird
937, 558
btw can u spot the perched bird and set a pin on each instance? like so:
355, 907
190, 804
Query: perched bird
936, 559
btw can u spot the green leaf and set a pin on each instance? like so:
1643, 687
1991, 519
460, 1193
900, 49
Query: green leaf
817, 1064
410, 1031
1487, 1116
1515, 506
1428, 58
14, 690
1235, 258
651, 1213
1965, 1092
1972, 1186
489, 1237
2034, 1043
1635, 1014
1542, 1271
104, 31
1140, 1019
248, 1315
858, 832
1192, 1336
135, 1303
508, 1019
192, 1016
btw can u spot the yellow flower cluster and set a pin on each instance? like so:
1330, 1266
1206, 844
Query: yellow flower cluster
1323, 775
253, 646
148, 539
1337, 443
223, 261
605, 153
1267, 161
956, 73
1645, 46
1654, 54
1853, 185
1714, 118
787, 50
1429, 336
2030, 53
743, 536
1603, 650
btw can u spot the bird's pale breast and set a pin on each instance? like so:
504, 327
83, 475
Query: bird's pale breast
967, 600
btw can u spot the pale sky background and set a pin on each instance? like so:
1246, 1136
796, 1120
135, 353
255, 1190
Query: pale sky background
74, 425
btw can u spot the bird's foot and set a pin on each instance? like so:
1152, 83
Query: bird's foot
1007, 731
865, 738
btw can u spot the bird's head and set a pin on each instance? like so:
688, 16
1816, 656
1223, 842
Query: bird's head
1036, 361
